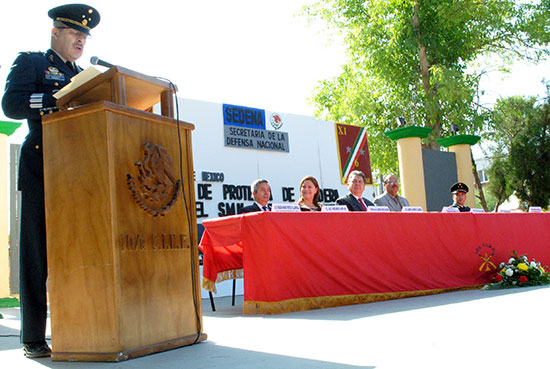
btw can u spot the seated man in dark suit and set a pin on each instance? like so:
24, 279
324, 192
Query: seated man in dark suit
262, 193
459, 191
354, 200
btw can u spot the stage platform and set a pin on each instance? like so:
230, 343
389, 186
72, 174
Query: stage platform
466, 329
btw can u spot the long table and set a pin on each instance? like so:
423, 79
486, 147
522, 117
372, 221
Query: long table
300, 261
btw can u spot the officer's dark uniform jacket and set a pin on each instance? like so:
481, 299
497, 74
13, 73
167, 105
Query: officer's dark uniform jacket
31, 83
461, 208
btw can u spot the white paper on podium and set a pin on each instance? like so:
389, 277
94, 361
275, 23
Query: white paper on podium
77, 81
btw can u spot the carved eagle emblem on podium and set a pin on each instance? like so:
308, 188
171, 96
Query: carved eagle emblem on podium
156, 189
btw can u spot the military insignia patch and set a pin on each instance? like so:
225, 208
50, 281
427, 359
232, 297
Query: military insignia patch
156, 189
486, 253
54, 75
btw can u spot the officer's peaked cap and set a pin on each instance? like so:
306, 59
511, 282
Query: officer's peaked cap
78, 16
459, 187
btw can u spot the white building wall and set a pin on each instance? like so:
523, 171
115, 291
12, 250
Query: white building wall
313, 151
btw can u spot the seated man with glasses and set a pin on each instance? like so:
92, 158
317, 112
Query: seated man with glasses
390, 197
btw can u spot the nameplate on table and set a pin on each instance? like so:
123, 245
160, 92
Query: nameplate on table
477, 210
335, 208
378, 209
504, 211
535, 209
285, 208
412, 209
450, 209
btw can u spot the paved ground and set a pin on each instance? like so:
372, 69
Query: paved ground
470, 329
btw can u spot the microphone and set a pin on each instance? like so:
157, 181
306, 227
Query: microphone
96, 61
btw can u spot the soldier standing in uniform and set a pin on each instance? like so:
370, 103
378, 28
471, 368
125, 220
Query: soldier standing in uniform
31, 83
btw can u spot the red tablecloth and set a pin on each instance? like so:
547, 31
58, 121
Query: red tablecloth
222, 251
297, 261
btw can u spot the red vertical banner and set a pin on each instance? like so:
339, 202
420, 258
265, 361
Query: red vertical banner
353, 151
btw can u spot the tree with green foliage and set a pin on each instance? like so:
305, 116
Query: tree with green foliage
520, 129
499, 186
530, 160
415, 59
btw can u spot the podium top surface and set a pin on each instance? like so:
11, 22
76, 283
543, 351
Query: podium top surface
116, 108
141, 91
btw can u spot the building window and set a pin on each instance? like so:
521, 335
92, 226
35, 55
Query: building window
483, 176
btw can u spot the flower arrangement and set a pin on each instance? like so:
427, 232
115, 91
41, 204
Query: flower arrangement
519, 272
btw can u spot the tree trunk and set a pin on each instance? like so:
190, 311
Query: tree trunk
436, 134
433, 118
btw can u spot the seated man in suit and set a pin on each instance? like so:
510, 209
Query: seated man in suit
390, 198
354, 200
459, 191
262, 193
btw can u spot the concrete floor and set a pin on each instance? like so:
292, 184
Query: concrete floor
469, 329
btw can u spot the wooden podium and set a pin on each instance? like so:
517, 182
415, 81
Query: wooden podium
122, 256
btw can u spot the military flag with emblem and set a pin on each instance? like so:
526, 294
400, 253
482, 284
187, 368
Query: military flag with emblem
353, 151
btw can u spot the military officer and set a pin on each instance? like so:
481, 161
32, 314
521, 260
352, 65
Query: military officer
30, 85
459, 191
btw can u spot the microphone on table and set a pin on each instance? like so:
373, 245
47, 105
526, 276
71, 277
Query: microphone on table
96, 61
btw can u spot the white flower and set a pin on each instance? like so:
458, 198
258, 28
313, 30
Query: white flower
511, 261
524, 258
533, 264
509, 272
501, 265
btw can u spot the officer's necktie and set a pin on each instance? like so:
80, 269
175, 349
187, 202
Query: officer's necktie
71, 67
362, 203
265, 208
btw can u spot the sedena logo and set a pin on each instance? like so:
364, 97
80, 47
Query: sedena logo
243, 116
